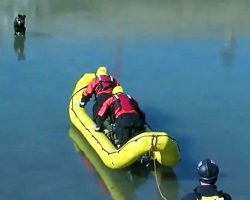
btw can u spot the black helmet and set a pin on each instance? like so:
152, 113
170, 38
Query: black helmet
208, 171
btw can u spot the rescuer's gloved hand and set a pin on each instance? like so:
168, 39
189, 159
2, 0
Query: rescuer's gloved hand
82, 104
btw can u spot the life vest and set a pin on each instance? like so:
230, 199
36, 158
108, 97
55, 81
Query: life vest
105, 82
122, 104
216, 197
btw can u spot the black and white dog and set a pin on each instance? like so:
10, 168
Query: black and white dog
19, 25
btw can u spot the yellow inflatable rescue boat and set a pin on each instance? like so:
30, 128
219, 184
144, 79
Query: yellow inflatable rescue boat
159, 145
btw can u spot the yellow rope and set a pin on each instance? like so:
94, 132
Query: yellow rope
153, 147
157, 182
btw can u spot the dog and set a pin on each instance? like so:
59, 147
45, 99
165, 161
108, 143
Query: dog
19, 25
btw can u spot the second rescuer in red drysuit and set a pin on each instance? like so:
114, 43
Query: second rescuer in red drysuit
129, 119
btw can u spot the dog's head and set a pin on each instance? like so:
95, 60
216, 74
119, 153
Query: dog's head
20, 19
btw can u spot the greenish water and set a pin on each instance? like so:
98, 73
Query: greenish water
186, 62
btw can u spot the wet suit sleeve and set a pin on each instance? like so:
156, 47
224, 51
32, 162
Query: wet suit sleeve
87, 94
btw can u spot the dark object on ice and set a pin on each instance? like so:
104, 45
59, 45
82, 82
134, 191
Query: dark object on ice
19, 25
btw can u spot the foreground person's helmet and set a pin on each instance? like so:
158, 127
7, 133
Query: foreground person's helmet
101, 71
117, 89
208, 171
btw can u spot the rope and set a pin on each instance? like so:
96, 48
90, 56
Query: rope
151, 152
157, 182
153, 146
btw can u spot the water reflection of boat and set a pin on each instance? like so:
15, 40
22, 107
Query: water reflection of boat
123, 183
162, 147
168, 183
120, 183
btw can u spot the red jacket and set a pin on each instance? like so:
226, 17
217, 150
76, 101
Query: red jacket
119, 104
99, 85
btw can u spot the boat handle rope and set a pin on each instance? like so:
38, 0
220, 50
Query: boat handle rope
151, 153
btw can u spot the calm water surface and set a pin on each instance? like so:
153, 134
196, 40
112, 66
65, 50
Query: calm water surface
186, 62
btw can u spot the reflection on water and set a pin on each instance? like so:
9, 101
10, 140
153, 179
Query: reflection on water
123, 184
229, 47
19, 46
119, 183
168, 183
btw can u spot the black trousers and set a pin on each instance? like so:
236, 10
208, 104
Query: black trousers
128, 126
98, 103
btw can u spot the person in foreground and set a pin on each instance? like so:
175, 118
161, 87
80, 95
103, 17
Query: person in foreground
207, 190
129, 119
101, 86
